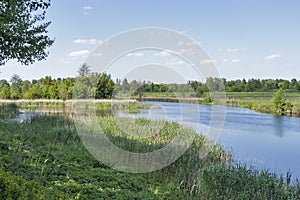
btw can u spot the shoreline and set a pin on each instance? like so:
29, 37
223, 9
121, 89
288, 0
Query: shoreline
63, 101
229, 102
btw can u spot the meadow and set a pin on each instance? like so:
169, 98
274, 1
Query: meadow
44, 158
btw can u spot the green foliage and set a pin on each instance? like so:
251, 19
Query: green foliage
8, 110
279, 100
285, 102
22, 31
32, 93
215, 84
90, 85
252, 85
47, 153
140, 88
5, 92
208, 99
84, 70
81, 88
44, 159
15, 187
238, 182
105, 87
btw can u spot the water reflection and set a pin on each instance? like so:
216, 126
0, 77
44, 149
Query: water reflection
25, 114
277, 122
23, 117
8, 110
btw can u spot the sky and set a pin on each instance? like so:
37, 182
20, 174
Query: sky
243, 39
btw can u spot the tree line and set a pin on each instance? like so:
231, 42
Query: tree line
85, 85
97, 85
250, 85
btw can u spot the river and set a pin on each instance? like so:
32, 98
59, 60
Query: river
264, 141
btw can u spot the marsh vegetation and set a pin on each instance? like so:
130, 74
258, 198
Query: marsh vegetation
44, 158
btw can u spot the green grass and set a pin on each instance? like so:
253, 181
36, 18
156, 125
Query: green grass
260, 95
262, 104
48, 154
45, 159
258, 101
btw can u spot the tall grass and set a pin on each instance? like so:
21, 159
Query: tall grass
45, 159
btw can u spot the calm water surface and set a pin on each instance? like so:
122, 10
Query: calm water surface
262, 140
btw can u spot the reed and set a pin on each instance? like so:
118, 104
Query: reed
44, 158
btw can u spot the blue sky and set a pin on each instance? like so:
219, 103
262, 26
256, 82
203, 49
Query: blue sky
245, 39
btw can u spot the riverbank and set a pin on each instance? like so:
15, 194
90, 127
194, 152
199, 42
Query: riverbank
260, 102
45, 158
257, 101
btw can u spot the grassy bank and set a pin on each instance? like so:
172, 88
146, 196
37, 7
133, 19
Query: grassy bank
45, 159
258, 101
262, 102
59, 106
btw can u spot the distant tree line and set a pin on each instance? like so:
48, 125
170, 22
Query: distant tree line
96, 85
85, 85
251, 85
45, 88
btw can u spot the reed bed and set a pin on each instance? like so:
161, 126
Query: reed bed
44, 158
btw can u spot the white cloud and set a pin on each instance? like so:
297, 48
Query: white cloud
163, 53
88, 42
79, 53
272, 57
178, 52
185, 51
188, 44
180, 62
226, 60
97, 54
232, 50
235, 60
137, 54
207, 61
87, 7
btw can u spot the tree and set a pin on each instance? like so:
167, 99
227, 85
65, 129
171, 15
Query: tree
33, 92
208, 99
5, 92
125, 86
15, 89
16, 80
215, 84
295, 84
53, 92
105, 87
63, 92
22, 31
3, 82
25, 86
84, 70
279, 101
140, 89
66, 88
81, 87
